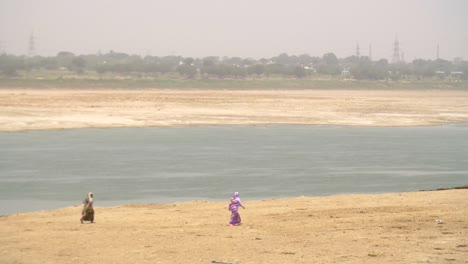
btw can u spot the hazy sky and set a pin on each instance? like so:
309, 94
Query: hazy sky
244, 28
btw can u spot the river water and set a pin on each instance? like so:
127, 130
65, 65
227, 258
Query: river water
42, 170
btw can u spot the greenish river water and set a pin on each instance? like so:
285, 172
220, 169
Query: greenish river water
41, 170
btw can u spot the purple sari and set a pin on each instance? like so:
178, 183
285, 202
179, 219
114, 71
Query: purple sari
235, 216
234, 208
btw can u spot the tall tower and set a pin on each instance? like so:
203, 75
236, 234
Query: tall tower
396, 51
32, 45
357, 50
2, 49
438, 52
370, 51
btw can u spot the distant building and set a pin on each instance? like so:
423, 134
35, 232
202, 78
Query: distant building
457, 60
345, 74
456, 75
310, 69
440, 74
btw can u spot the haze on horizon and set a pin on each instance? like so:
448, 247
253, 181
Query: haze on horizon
243, 28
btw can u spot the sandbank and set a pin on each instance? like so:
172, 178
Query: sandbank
415, 227
42, 109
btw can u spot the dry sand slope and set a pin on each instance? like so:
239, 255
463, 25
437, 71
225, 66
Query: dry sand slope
22, 109
418, 227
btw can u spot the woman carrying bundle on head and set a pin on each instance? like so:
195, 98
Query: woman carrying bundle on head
87, 214
234, 208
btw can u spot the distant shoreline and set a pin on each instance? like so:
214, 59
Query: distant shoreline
445, 189
219, 84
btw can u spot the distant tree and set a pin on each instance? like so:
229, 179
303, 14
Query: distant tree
362, 68
10, 65
210, 61
394, 73
282, 59
233, 61
135, 63
263, 61
165, 67
293, 60
116, 56
65, 54
238, 71
174, 61
257, 69
381, 69
188, 61
77, 64
443, 65
33, 63
64, 59
299, 71
248, 62
277, 69
329, 65
405, 70
305, 59
351, 61
101, 69
382, 63
209, 66
48, 63
187, 70
463, 67
236, 67
151, 64
330, 59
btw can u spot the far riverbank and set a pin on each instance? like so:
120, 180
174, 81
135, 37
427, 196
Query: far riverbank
132, 82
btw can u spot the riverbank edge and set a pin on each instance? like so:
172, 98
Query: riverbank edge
463, 187
220, 84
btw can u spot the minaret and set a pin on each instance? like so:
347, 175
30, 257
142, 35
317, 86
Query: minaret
357, 50
396, 51
2, 49
32, 45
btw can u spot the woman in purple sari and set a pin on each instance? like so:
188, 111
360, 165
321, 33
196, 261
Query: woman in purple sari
234, 208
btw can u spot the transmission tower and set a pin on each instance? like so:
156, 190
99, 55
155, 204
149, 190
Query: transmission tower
2, 49
357, 50
396, 52
32, 45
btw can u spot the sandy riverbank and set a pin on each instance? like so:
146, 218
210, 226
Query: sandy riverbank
418, 227
38, 109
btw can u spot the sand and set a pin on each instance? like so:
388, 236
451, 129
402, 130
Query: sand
417, 227
34, 109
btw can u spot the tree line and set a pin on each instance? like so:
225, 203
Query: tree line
283, 65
